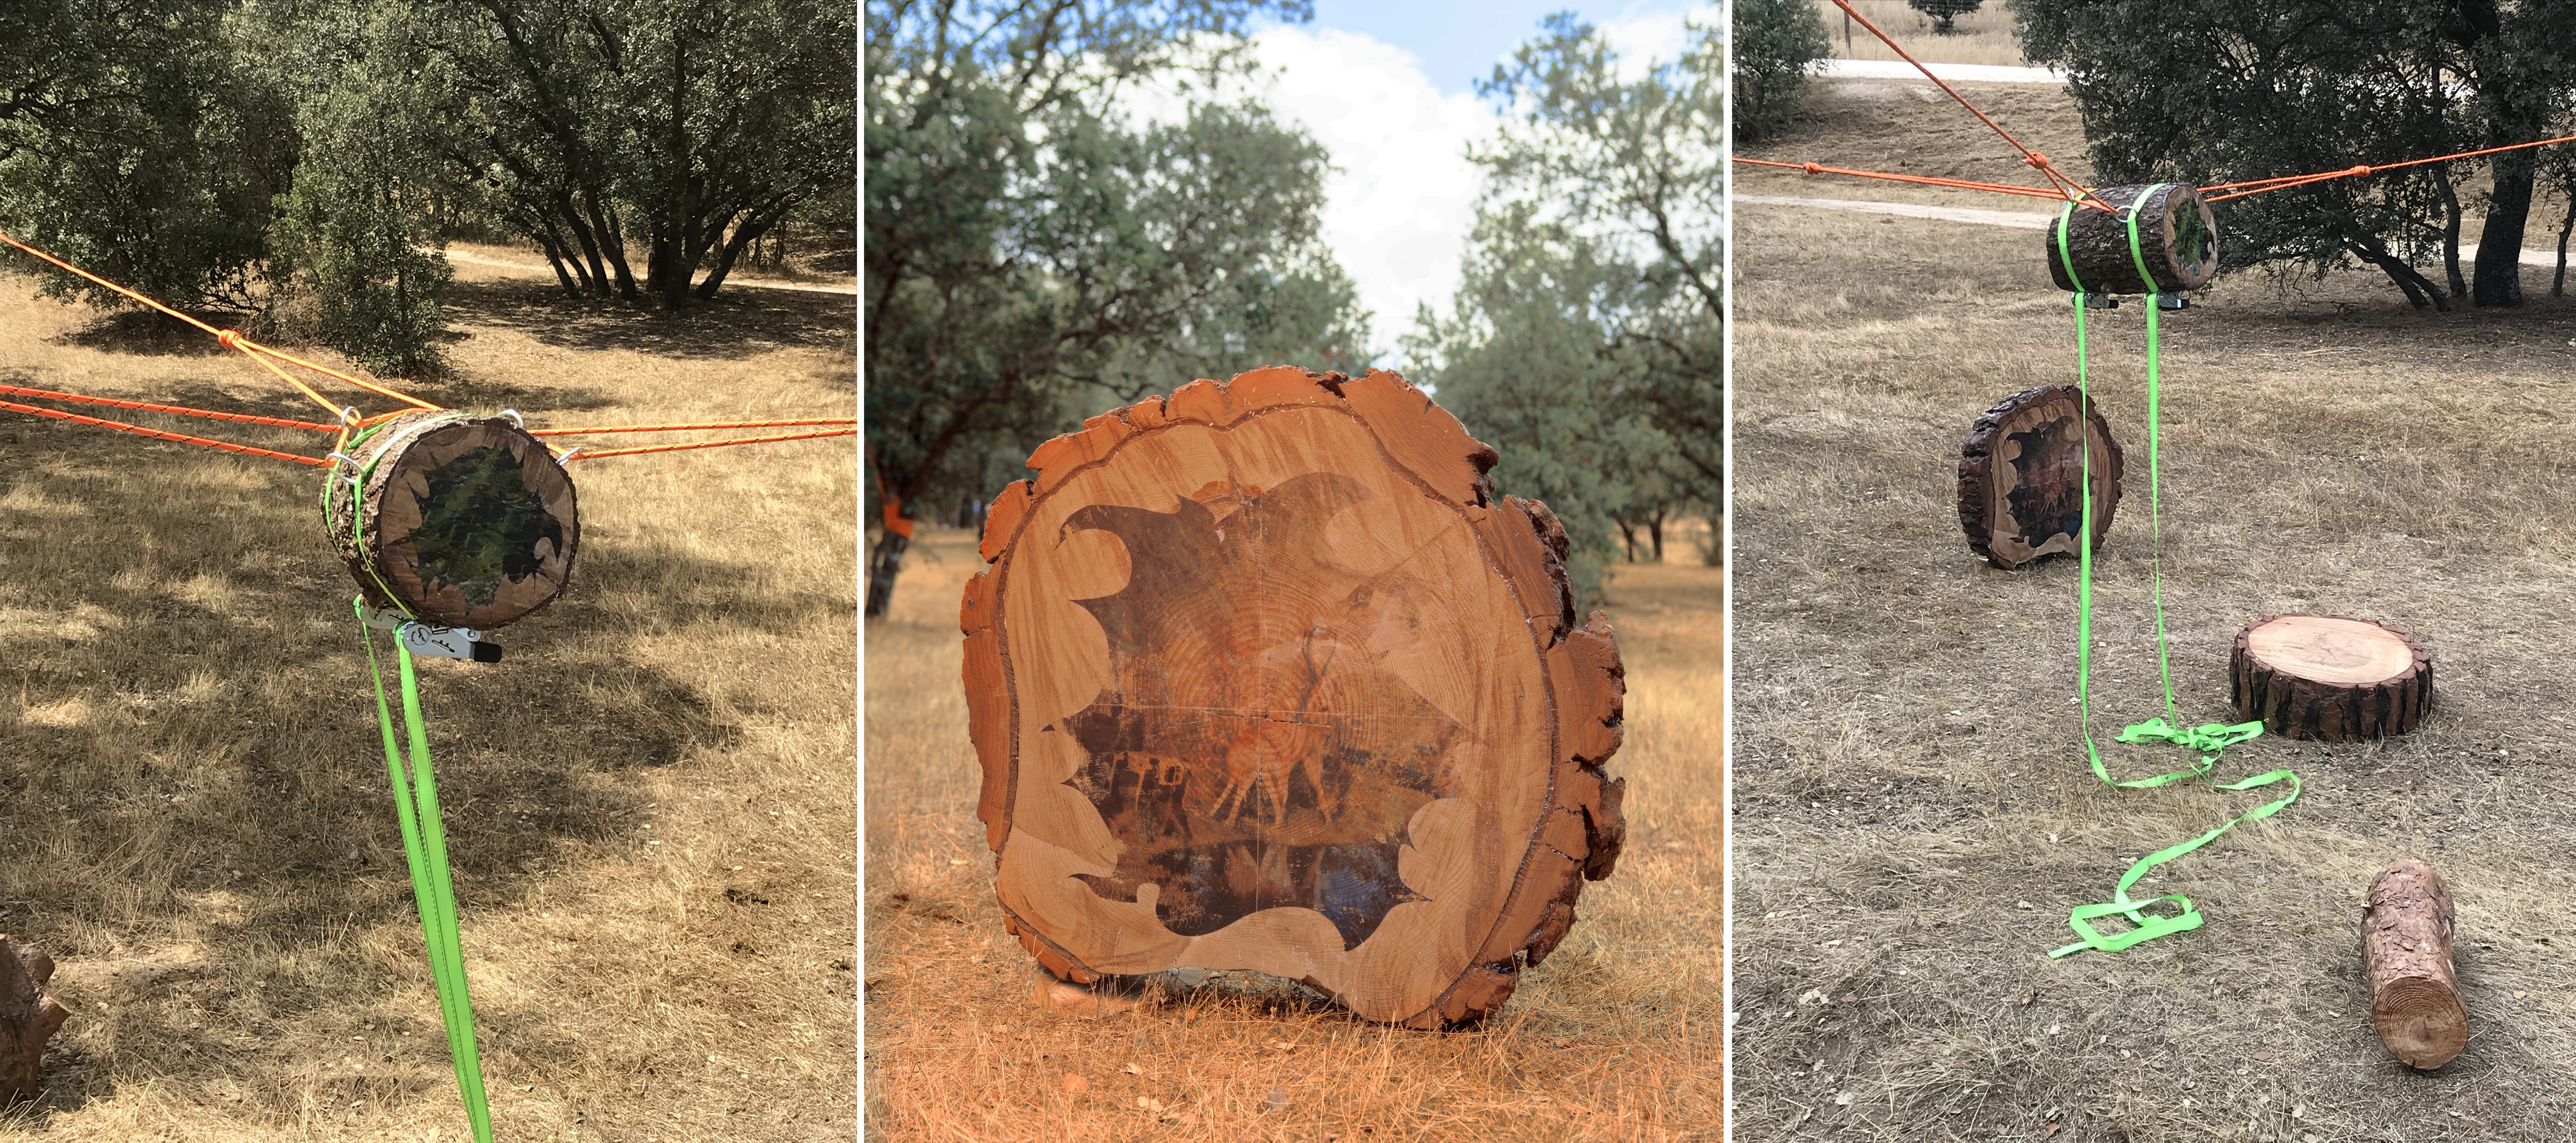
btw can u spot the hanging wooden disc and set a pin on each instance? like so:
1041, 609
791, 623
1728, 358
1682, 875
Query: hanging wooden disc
2089, 249
2330, 677
461, 522
1263, 676
2019, 472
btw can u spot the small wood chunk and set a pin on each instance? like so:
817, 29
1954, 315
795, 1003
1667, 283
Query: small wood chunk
2089, 250
28, 1017
2020, 470
2415, 1003
2330, 677
1263, 676
1077, 999
463, 522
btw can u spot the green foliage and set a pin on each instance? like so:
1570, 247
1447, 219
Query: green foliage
1776, 43
1945, 13
1587, 341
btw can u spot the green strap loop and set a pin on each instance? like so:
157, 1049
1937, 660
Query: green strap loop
2066, 258
425, 850
2138, 258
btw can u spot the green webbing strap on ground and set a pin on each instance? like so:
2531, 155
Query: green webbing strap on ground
425, 849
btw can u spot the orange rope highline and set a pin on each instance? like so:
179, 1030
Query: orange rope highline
708, 425
2067, 189
182, 410
157, 434
1926, 180
584, 454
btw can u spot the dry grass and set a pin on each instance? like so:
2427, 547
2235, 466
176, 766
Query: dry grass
1615, 1037
649, 803
1982, 37
1907, 769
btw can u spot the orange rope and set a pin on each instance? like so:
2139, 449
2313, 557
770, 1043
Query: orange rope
2284, 182
2068, 188
708, 425
1926, 180
148, 407
157, 434
586, 455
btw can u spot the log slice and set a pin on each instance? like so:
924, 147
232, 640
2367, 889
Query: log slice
28, 1017
2330, 677
2406, 924
2177, 241
2019, 472
457, 521
1263, 676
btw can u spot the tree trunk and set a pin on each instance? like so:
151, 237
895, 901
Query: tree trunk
2499, 270
2177, 243
2419, 289
2020, 471
2331, 678
2450, 233
1655, 532
883, 566
2406, 933
2558, 282
1343, 726
459, 522
28, 1017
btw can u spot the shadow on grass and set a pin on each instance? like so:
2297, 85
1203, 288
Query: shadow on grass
737, 324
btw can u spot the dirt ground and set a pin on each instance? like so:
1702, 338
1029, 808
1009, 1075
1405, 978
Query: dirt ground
1913, 811
650, 801
1615, 1037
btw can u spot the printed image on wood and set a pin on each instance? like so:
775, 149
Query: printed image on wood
1263, 676
2089, 250
2020, 471
2406, 955
463, 522
2330, 677
29, 1016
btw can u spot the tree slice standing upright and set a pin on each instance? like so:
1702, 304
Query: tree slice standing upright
2415, 1004
2091, 250
2330, 677
2020, 470
455, 521
28, 1017
1264, 677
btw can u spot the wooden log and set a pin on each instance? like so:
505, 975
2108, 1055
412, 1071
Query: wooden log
1263, 676
2406, 922
28, 1017
2177, 242
2020, 470
2330, 677
458, 521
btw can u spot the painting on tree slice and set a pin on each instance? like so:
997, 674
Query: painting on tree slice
455, 521
29, 1016
2330, 677
2020, 471
1263, 676
2172, 247
2406, 955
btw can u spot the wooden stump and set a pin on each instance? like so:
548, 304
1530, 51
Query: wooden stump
1264, 677
28, 1017
2177, 242
461, 522
2330, 677
2406, 954
2020, 471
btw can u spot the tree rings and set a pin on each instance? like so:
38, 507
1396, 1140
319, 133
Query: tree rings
2330, 677
1263, 676
2176, 248
2020, 470
455, 521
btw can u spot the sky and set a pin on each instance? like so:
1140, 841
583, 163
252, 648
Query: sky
1387, 87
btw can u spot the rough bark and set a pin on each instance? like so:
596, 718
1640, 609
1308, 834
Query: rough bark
2497, 278
1263, 676
2330, 677
2019, 474
28, 1017
2177, 240
463, 522
2406, 924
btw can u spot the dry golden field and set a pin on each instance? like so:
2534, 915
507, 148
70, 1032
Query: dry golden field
1913, 810
1984, 36
1615, 1037
650, 803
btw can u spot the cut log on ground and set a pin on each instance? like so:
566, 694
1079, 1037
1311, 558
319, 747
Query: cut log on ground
2406, 955
2090, 250
28, 1017
1263, 676
2020, 471
2330, 677
457, 521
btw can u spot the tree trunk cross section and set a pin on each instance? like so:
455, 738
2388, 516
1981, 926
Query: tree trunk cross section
2177, 243
465, 522
2020, 470
28, 1017
1263, 676
2415, 1004
2330, 677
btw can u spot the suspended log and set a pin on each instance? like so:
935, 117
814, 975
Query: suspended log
2406, 954
2020, 472
456, 521
28, 1017
2176, 248
1263, 676
2330, 677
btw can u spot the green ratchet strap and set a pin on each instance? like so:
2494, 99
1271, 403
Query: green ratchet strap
2208, 739
425, 848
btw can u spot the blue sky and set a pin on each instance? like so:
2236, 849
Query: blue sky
1459, 42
